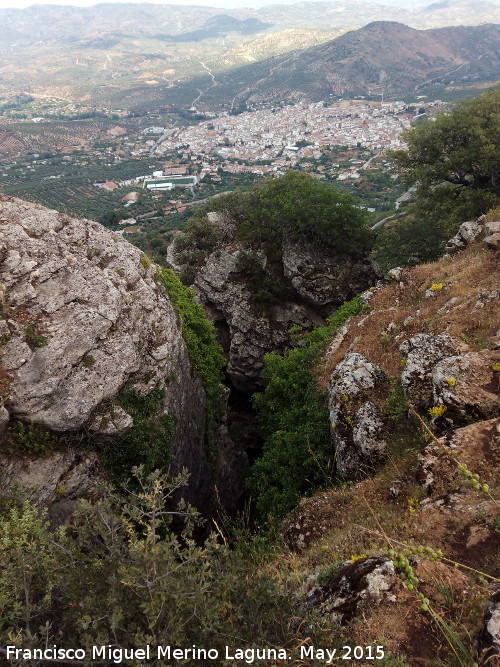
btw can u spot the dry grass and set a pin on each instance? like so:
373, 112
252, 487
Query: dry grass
347, 522
344, 522
464, 278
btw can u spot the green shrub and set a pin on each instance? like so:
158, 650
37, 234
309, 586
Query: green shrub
453, 162
33, 337
148, 442
395, 406
122, 575
266, 290
30, 437
199, 335
454, 159
297, 455
199, 239
297, 208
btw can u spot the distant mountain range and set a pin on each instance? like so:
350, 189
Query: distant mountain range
164, 53
380, 57
56, 24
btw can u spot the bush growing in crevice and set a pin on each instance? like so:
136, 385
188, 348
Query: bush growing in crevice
204, 351
148, 442
266, 289
297, 456
294, 208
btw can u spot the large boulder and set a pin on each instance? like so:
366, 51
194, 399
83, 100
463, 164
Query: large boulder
467, 386
467, 233
84, 317
420, 355
492, 237
356, 421
442, 373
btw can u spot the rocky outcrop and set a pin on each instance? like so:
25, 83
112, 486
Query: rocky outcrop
467, 232
245, 336
467, 386
420, 355
357, 426
315, 283
473, 230
440, 372
323, 279
83, 317
56, 481
492, 237
370, 581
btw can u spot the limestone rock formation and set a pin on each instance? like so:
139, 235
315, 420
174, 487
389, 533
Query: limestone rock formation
467, 232
83, 317
316, 284
55, 481
245, 336
467, 386
442, 371
420, 354
492, 238
357, 427
371, 581
323, 279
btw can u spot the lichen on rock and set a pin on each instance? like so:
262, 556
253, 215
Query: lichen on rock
357, 429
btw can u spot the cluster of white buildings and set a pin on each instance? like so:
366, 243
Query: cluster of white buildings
295, 131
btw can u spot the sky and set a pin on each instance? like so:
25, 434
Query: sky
19, 4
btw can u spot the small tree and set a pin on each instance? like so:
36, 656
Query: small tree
454, 162
454, 159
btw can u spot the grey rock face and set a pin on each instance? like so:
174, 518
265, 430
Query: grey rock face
441, 371
396, 274
83, 315
320, 284
322, 279
4, 415
371, 580
56, 481
245, 336
492, 238
466, 386
421, 353
353, 374
467, 232
358, 430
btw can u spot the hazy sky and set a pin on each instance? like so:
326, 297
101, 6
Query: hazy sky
87, 3
211, 3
